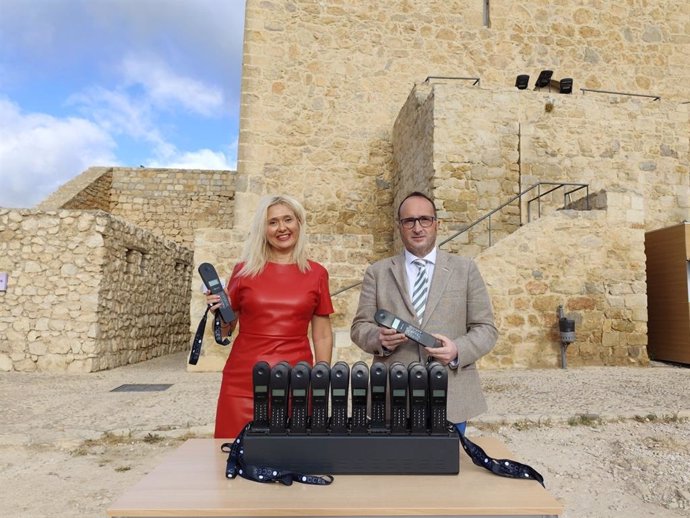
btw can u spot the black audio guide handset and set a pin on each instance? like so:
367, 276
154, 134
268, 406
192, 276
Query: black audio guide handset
378, 379
299, 391
386, 319
359, 379
397, 380
340, 381
419, 398
320, 382
438, 398
279, 391
261, 379
225, 313
212, 282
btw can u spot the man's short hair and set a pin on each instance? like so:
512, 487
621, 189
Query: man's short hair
417, 194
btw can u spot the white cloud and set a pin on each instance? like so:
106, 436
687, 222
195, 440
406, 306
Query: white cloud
200, 159
38, 153
165, 89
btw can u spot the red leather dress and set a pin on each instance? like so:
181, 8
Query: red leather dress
275, 309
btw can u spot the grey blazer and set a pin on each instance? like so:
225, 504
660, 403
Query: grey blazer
458, 307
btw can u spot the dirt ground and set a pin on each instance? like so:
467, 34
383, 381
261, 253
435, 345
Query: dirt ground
619, 447
625, 469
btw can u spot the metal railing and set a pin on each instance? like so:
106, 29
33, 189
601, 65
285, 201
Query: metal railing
554, 186
475, 80
653, 97
568, 190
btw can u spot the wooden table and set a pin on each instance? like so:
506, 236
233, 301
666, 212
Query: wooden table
191, 482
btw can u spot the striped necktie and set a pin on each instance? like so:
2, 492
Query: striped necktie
420, 289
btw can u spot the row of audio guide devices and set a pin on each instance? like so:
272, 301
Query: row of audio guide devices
293, 428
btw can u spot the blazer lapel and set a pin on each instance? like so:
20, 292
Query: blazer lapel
400, 275
442, 271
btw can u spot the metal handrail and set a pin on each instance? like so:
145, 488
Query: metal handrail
555, 186
516, 197
653, 97
475, 79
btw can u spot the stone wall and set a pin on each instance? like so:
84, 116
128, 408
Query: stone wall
489, 145
88, 291
171, 203
549, 263
323, 82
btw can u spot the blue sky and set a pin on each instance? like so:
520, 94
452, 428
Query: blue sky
115, 83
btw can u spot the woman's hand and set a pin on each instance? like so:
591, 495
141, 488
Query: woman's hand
212, 300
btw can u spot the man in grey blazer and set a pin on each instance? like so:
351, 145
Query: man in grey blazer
454, 304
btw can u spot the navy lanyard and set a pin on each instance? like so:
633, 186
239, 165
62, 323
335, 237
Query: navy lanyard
236, 466
199, 335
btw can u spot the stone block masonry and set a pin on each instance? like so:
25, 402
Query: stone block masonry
88, 291
171, 203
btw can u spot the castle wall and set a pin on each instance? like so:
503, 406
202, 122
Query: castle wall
88, 291
170, 203
488, 145
323, 83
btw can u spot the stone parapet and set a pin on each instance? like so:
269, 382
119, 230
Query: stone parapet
171, 203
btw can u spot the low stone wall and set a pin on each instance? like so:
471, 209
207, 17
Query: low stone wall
170, 203
88, 291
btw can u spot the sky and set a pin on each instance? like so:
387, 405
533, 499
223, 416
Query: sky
86, 83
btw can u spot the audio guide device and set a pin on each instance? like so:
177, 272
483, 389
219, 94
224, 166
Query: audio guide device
212, 282
387, 319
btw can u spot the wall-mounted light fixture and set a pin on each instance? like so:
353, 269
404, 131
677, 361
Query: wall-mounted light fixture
544, 79
521, 81
565, 85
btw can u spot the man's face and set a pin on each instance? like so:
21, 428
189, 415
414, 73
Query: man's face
418, 240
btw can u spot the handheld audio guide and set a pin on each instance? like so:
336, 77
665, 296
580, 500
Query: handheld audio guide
360, 388
212, 282
261, 377
419, 387
397, 377
340, 381
279, 385
378, 378
299, 388
438, 398
386, 319
320, 382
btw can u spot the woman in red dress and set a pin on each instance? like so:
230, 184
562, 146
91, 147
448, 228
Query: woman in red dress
277, 294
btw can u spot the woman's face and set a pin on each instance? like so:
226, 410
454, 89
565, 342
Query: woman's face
282, 228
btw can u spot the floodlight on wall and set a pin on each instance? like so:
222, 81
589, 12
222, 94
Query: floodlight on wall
521, 81
544, 79
566, 85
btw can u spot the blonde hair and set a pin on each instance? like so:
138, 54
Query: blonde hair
256, 251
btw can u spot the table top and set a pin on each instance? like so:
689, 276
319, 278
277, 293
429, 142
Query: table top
191, 482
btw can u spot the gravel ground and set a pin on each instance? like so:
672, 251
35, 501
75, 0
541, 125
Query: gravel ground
610, 442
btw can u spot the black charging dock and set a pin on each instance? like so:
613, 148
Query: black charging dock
369, 454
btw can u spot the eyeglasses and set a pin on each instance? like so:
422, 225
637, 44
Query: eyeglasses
424, 222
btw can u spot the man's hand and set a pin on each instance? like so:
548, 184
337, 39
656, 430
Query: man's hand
391, 339
446, 353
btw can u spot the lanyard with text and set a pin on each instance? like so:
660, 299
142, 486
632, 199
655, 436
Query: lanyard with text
199, 336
